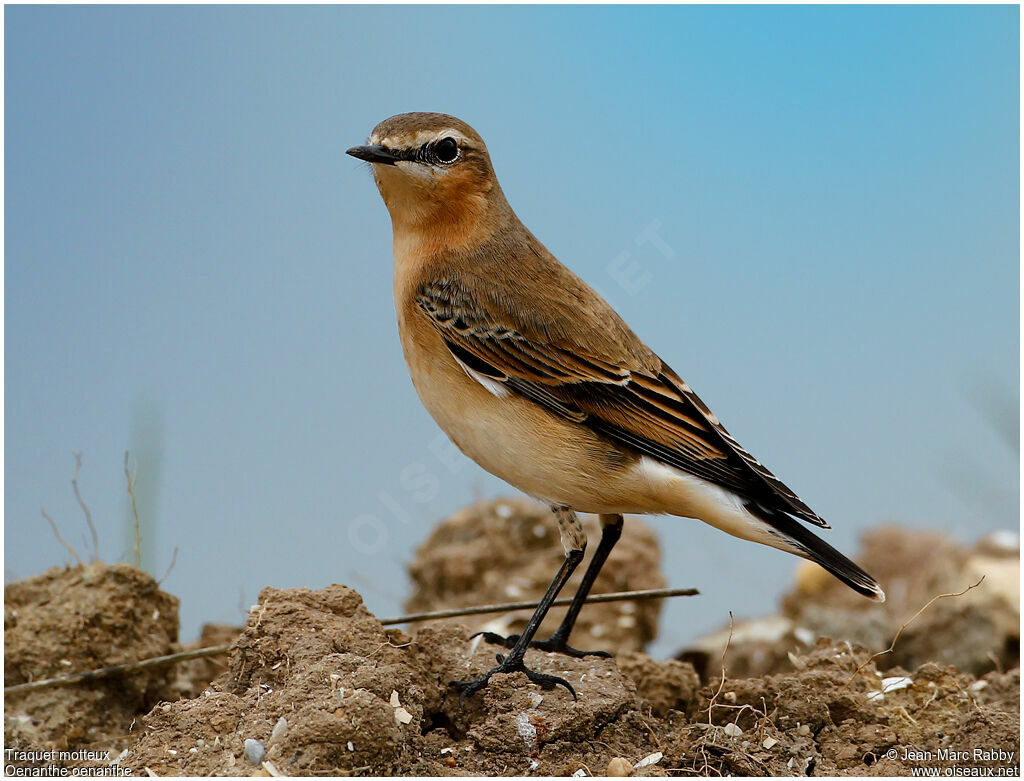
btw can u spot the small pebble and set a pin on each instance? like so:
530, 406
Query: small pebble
254, 751
279, 729
803, 729
402, 716
733, 731
619, 768
650, 759
896, 683
350, 747
769, 743
525, 730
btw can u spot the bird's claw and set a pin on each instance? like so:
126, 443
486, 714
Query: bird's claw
509, 664
554, 644
496, 639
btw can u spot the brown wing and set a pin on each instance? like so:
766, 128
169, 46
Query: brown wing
642, 404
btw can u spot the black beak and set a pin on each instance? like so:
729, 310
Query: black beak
373, 154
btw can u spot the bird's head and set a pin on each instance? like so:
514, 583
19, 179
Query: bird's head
434, 174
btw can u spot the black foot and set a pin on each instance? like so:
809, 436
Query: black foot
509, 664
555, 644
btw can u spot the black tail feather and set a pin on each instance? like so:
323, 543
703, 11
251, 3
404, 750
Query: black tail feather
817, 550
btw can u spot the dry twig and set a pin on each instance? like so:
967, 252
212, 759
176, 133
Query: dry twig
85, 509
106, 672
135, 512
174, 560
721, 683
908, 622
57, 535
619, 596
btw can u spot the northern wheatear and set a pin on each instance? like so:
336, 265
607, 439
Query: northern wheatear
537, 379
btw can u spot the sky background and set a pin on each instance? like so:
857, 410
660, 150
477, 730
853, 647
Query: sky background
811, 213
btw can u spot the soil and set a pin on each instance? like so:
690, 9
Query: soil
314, 684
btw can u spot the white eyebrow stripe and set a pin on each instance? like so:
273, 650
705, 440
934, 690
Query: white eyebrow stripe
418, 139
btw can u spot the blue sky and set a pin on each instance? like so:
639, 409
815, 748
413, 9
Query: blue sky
810, 212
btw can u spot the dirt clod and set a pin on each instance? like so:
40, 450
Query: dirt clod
76, 619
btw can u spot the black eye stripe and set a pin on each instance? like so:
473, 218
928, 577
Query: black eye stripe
445, 151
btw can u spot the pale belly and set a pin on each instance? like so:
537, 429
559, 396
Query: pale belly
517, 440
558, 461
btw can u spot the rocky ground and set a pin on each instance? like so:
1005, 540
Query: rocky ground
314, 684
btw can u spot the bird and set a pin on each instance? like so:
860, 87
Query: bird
536, 378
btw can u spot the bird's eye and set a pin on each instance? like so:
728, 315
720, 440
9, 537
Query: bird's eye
446, 150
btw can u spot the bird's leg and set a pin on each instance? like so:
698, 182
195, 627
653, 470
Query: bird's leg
611, 530
575, 543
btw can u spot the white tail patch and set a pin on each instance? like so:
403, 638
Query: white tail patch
679, 493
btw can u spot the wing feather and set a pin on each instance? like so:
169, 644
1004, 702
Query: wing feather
652, 411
